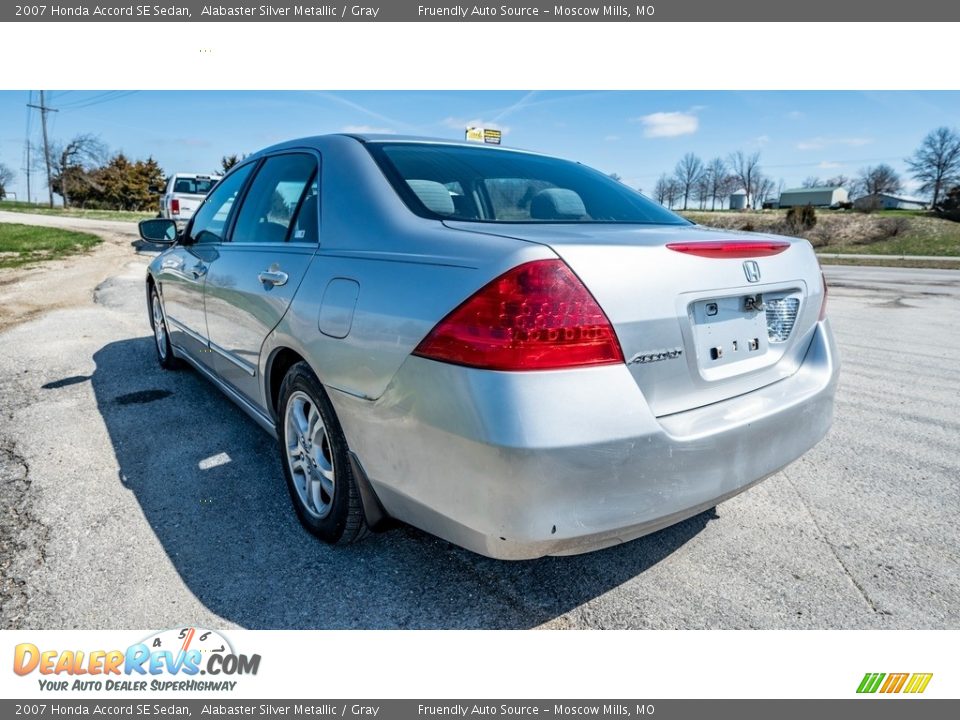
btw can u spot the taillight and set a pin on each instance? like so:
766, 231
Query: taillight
175, 206
823, 303
537, 316
731, 248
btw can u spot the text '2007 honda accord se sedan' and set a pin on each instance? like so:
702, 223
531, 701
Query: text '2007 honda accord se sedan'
511, 351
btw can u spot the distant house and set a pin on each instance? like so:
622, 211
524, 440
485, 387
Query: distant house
738, 200
886, 201
827, 196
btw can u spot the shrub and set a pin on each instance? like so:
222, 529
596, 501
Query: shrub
949, 207
801, 219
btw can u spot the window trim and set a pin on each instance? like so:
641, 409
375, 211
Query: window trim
260, 161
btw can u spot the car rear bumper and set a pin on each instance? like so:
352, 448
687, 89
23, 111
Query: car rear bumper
521, 465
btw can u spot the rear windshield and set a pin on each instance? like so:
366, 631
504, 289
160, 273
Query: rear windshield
500, 186
193, 186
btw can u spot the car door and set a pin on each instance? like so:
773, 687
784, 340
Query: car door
184, 268
271, 244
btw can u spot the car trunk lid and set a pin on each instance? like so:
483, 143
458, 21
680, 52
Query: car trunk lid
694, 329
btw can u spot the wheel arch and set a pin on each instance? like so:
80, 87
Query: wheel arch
283, 358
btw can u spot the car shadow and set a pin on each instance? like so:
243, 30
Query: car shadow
209, 482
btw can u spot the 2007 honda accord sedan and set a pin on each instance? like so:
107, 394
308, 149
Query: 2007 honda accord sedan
511, 351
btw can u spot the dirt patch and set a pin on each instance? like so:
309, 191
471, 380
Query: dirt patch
27, 292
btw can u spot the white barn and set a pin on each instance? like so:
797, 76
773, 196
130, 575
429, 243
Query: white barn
826, 196
886, 201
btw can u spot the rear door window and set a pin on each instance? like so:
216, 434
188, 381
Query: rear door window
274, 199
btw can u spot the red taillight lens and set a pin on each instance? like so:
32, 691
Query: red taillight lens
537, 316
823, 303
731, 248
175, 206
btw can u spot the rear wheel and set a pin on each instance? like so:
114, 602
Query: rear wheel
316, 461
161, 335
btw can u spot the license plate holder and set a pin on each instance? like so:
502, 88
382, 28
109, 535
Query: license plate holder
729, 330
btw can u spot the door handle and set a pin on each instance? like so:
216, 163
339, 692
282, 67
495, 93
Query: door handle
198, 270
273, 277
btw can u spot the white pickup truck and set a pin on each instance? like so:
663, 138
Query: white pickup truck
183, 194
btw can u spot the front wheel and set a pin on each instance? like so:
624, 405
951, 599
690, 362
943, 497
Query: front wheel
315, 460
161, 335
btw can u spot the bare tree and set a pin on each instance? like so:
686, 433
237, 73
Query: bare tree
660, 189
701, 190
936, 163
717, 174
840, 180
674, 192
615, 176
6, 177
73, 157
687, 173
764, 189
746, 169
811, 182
878, 179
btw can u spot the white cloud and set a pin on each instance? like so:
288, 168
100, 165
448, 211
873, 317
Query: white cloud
368, 130
612, 138
818, 143
761, 140
669, 124
829, 165
794, 114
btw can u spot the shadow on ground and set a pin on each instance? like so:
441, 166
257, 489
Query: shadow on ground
210, 486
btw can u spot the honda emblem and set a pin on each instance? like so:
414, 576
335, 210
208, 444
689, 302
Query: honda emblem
751, 270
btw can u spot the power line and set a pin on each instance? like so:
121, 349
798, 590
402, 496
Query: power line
109, 96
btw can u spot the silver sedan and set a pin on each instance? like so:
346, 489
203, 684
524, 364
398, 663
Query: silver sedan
511, 351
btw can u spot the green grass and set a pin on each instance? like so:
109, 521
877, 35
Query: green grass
25, 244
33, 208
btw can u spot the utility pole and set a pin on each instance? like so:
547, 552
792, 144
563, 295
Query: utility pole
27, 171
42, 107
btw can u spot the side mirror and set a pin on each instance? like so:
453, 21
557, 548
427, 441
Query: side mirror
159, 231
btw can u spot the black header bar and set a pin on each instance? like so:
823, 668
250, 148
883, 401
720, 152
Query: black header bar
857, 11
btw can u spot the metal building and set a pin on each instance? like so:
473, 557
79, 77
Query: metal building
827, 196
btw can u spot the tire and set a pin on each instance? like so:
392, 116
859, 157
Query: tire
316, 460
161, 335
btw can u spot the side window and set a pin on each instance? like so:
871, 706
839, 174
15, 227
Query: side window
211, 218
273, 199
306, 228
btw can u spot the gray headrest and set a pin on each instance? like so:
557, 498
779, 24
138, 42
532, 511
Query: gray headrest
434, 195
557, 204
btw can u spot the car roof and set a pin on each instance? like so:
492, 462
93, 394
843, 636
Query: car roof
319, 141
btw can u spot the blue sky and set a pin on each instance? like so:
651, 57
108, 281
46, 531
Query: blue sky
636, 134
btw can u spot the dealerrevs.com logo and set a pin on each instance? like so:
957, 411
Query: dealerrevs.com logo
887, 684
167, 660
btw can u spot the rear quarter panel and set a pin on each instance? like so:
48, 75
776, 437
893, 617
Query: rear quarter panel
411, 272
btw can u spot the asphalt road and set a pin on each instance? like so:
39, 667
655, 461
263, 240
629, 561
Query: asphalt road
138, 498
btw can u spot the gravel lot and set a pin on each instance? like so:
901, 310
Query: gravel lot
137, 498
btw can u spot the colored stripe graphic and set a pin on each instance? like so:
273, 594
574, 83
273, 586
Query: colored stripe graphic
870, 682
894, 682
918, 682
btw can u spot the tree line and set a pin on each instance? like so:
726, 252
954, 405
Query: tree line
87, 175
935, 165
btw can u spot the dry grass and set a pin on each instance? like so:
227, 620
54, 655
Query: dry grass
875, 233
